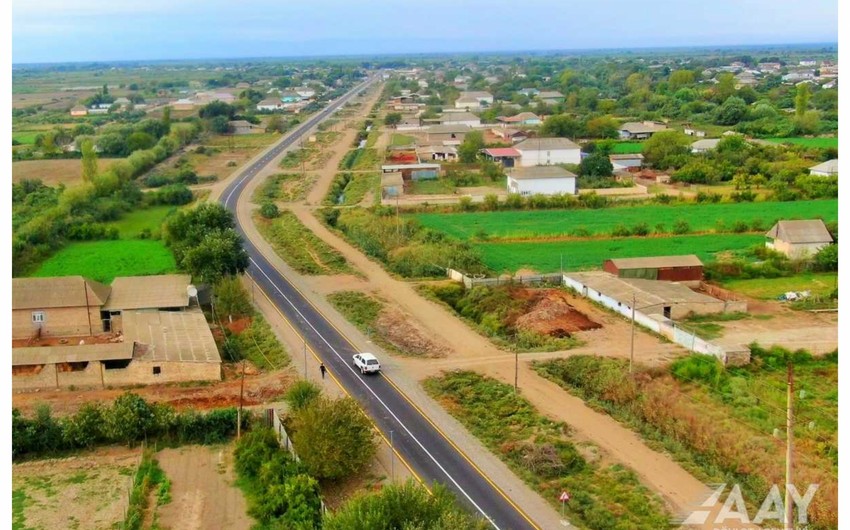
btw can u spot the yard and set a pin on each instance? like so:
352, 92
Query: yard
85, 492
822, 283
401, 139
545, 256
55, 172
560, 223
104, 260
432, 187
132, 224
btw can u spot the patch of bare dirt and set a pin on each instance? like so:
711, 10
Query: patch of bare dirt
406, 336
550, 313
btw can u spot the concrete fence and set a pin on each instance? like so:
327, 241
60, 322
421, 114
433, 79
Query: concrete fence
663, 326
532, 279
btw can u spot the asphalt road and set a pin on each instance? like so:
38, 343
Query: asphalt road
425, 449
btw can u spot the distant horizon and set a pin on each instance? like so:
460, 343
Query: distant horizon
429, 54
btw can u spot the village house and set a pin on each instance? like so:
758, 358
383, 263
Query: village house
547, 151
459, 118
446, 134
509, 135
474, 100
269, 105
506, 156
444, 153
242, 127
523, 118
705, 145
79, 110
640, 130
550, 97
798, 239
626, 161
544, 180
72, 331
825, 169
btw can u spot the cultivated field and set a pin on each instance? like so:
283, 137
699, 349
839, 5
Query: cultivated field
84, 492
131, 225
822, 143
55, 172
104, 260
545, 256
554, 223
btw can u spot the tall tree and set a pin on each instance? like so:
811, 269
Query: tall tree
801, 101
468, 150
89, 160
166, 117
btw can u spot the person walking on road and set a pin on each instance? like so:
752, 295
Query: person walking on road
322, 369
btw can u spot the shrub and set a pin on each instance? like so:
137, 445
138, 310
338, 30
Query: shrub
269, 210
131, 418
703, 368
301, 394
640, 229
681, 227
620, 230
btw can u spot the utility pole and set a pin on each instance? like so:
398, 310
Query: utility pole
632, 349
239, 412
789, 449
516, 372
397, 220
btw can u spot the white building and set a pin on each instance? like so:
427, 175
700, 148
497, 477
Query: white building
825, 169
460, 118
705, 145
548, 151
544, 180
798, 239
270, 104
474, 100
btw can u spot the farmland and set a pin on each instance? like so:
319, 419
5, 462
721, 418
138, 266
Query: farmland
559, 223
131, 225
54, 172
627, 148
104, 260
821, 143
771, 288
545, 256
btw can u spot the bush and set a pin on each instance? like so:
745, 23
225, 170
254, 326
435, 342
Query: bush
620, 230
703, 368
301, 394
640, 229
269, 210
681, 227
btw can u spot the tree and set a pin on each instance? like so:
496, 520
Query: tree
666, 149
637, 82
140, 140
130, 418
725, 86
166, 117
733, 110
89, 160
561, 125
602, 127
269, 210
392, 119
333, 438
217, 108
596, 165
231, 298
220, 125
218, 254
801, 100
468, 149
680, 78
275, 124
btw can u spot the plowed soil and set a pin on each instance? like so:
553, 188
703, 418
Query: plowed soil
550, 313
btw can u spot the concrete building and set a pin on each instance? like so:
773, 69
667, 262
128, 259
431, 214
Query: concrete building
544, 180
640, 130
446, 134
548, 151
825, 169
459, 118
270, 105
443, 153
798, 239
626, 160
705, 145
474, 100
506, 156
140, 330
684, 269
523, 118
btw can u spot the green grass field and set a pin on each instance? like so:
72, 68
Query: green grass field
401, 139
432, 187
770, 288
822, 143
543, 256
553, 223
25, 137
627, 148
131, 225
104, 260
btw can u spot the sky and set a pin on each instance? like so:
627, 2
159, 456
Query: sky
113, 30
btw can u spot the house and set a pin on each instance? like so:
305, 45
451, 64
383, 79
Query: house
474, 100
408, 125
241, 127
745, 79
459, 118
447, 134
529, 92
269, 105
290, 96
305, 92
690, 130
684, 269
770, 67
825, 169
640, 130
547, 151
550, 97
79, 110
523, 118
183, 104
705, 145
798, 239
72, 331
392, 184
445, 153
506, 156
626, 160
544, 180
510, 135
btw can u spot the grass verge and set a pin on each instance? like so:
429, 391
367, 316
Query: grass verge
299, 247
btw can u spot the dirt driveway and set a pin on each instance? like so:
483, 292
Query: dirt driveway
202, 491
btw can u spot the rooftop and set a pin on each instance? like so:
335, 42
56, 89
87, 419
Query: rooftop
149, 292
171, 336
546, 144
501, 152
657, 262
650, 296
810, 231
60, 291
830, 166
633, 156
642, 127
540, 172
706, 143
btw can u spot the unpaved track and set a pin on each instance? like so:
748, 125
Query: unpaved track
202, 491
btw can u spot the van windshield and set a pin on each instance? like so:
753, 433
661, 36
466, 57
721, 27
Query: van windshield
371, 361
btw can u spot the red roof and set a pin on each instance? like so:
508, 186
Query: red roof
502, 152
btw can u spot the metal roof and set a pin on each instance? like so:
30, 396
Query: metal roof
642, 127
811, 231
540, 172
182, 336
72, 353
60, 291
650, 296
635, 156
499, 152
829, 167
657, 262
546, 144
149, 292
706, 143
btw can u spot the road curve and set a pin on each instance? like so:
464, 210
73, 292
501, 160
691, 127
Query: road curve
416, 439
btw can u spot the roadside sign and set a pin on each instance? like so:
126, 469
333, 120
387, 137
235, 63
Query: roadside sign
564, 496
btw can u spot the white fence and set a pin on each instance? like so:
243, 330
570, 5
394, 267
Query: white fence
470, 281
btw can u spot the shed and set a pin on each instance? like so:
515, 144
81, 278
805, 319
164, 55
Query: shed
825, 169
627, 160
798, 239
686, 268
